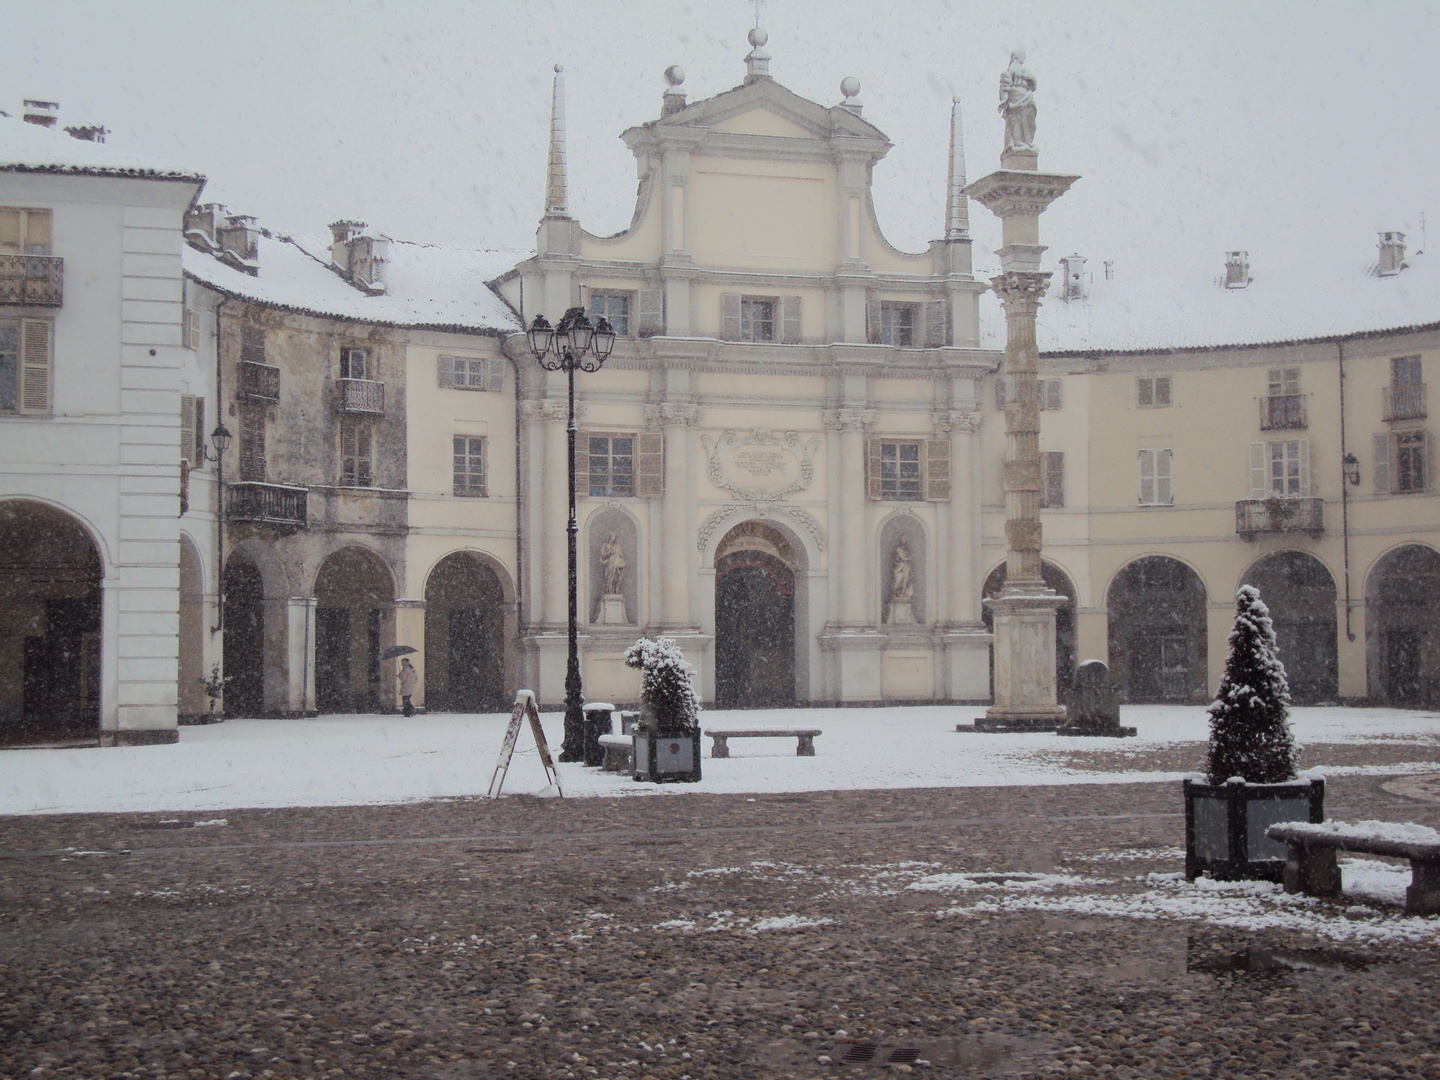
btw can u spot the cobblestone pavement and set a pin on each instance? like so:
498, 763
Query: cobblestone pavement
695, 936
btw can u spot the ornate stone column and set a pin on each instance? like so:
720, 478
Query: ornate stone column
1025, 691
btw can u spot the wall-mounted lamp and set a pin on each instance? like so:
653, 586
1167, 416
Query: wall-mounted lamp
1351, 465
220, 439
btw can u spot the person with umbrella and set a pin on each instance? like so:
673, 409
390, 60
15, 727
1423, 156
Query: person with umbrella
409, 677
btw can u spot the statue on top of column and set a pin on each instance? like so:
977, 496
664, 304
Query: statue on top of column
1017, 103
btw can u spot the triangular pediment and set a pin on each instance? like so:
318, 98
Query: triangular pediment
763, 121
765, 108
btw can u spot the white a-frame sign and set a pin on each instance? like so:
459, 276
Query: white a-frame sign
524, 707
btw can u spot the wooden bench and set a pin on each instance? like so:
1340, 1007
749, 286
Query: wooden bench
720, 747
1310, 865
619, 753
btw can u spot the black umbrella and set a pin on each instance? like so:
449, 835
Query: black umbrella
396, 650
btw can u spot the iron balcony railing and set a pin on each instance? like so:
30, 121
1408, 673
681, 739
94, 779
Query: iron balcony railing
1280, 514
360, 396
259, 382
266, 504
1282, 412
1404, 402
34, 280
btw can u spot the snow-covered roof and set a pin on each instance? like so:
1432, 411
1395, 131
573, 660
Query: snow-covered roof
427, 285
1186, 305
32, 148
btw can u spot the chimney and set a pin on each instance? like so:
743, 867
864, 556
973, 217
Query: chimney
757, 63
1072, 286
88, 133
1237, 269
341, 233
368, 257
239, 241
44, 114
1392, 254
203, 224
674, 99
1109, 269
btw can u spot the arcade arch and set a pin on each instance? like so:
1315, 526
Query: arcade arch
1402, 631
50, 626
465, 636
354, 624
759, 616
1158, 645
1300, 593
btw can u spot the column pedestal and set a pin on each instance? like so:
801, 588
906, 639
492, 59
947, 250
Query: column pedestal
1025, 698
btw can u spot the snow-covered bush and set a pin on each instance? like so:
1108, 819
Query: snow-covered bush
667, 693
1250, 733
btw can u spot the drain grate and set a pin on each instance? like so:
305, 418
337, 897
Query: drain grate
858, 1052
905, 1055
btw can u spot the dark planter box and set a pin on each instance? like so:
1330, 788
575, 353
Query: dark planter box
1225, 827
662, 758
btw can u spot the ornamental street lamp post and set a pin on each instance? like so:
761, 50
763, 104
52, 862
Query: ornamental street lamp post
573, 344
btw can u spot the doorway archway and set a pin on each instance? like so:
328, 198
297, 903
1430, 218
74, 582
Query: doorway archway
1158, 645
50, 627
244, 643
1402, 633
354, 624
1300, 593
755, 571
464, 636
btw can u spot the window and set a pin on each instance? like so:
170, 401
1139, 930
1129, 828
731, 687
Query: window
1284, 381
354, 453
252, 345
469, 466
1152, 391
1405, 371
1404, 398
353, 364
614, 306
897, 324
900, 470
1155, 486
1052, 492
192, 430
1283, 407
25, 366
1410, 461
757, 319
612, 465
24, 232
252, 443
1051, 395
190, 329
472, 373
1280, 468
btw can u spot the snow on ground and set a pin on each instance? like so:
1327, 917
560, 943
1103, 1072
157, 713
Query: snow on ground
358, 760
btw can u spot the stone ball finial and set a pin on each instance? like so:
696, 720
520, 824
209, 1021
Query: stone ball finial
674, 75
559, 69
849, 86
758, 37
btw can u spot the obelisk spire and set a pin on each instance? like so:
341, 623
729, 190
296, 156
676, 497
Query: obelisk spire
557, 203
957, 206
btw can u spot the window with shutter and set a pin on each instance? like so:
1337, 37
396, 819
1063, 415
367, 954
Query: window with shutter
873, 332
612, 305
582, 464
730, 316
652, 312
187, 429
198, 450
1259, 470
252, 443
497, 375
1152, 391
936, 319
469, 466
9, 365
184, 487
1410, 472
252, 345
1285, 468
872, 468
1052, 495
1050, 395
612, 465
757, 318
937, 470
35, 335
650, 464
791, 325
191, 329
446, 372
1380, 446
355, 456
900, 470
897, 324
353, 364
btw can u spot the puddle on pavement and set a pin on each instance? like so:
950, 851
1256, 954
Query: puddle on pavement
1212, 959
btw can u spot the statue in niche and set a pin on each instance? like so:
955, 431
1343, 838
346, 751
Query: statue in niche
902, 584
1017, 103
612, 565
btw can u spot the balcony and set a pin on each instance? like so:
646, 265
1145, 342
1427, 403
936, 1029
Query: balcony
259, 382
1282, 412
266, 504
1404, 402
364, 396
1280, 515
33, 280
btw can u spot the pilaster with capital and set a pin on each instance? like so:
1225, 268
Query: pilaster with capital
555, 513
962, 548
851, 423
676, 419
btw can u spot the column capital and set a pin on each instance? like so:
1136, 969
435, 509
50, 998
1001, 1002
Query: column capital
1020, 289
673, 414
850, 419
554, 410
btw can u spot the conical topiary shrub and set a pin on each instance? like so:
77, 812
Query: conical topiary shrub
668, 695
1250, 733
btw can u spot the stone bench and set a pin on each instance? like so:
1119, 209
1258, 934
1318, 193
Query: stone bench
720, 747
1310, 865
619, 753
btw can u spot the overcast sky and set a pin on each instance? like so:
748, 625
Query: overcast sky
1273, 126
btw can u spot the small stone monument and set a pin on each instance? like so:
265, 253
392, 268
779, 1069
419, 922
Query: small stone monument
612, 569
902, 586
1094, 706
